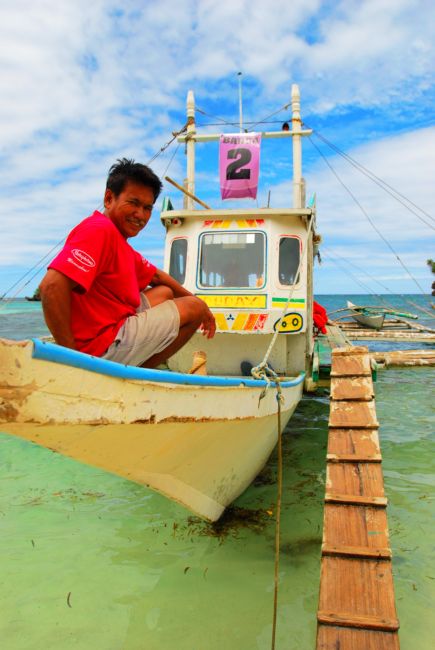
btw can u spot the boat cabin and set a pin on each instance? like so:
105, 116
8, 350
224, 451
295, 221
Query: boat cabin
253, 267
243, 264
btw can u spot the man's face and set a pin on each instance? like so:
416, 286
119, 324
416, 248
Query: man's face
131, 210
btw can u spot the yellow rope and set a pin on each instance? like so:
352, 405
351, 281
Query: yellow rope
277, 523
259, 372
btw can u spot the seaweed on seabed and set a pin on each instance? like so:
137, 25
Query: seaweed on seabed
232, 521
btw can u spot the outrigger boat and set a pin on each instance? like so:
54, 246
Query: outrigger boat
366, 317
371, 317
200, 440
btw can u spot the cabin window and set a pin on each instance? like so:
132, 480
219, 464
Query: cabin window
177, 260
289, 256
232, 259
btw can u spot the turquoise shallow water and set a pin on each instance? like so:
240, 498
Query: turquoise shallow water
89, 560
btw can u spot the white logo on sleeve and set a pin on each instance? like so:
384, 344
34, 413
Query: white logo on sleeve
83, 257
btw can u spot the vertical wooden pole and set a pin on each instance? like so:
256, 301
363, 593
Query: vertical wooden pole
190, 148
297, 149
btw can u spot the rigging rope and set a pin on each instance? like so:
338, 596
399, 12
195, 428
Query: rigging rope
171, 160
30, 270
4, 302
379, 181
216, 117
238, 123
277, 525
175, 134
366, 215
283, 108
361, 284
252, 124
330, 254
260, 371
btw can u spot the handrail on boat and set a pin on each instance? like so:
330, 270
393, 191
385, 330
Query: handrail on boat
47, 351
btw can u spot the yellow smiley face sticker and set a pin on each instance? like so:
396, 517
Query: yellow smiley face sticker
291, 322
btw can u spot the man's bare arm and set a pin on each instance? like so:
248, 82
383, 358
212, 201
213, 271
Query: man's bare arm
56, 291
208, 325
160, 277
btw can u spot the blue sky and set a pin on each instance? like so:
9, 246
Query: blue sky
85, 83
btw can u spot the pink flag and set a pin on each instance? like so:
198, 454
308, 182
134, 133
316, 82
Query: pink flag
239, 162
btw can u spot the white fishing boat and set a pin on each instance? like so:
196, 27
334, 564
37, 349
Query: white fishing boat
199, 440
368, 318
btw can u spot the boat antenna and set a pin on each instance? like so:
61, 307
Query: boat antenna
239, 74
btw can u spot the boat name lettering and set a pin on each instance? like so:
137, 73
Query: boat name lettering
246, 139
83, 257
234, 301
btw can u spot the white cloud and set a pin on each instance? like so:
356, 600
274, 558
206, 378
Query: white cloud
84, 83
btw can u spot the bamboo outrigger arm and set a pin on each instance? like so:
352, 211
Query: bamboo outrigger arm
189, 194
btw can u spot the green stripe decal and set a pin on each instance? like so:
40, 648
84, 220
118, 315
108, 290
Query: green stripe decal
296, 303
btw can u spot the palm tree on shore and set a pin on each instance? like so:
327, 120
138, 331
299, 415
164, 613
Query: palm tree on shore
431, 263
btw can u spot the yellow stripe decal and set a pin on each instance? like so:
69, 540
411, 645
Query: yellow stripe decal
235, 301
221, 321
226, 223
295, 303
291, 305
240, 321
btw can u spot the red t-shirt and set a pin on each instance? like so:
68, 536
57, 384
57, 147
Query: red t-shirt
110, 275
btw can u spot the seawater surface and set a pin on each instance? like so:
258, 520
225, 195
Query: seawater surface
89, 560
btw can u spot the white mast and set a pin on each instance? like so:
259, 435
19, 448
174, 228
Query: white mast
296, 133
239, 74
297, 149
190, 148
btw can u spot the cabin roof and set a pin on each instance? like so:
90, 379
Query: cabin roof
241, 213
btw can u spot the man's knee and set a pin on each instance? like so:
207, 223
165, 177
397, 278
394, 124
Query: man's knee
159, 294
166, 293
191, 309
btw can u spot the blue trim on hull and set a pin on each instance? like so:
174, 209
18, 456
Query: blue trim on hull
67, 357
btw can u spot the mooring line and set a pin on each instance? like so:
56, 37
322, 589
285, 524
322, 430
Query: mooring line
277, 522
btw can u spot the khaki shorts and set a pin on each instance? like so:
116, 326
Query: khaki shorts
146, 333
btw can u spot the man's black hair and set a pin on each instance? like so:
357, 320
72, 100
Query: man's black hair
125, 170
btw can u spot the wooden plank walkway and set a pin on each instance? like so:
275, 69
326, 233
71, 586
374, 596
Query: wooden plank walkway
356, 602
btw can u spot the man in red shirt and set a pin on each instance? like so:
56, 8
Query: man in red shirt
96, 294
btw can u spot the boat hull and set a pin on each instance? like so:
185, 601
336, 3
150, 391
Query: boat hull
375, 321
200, 445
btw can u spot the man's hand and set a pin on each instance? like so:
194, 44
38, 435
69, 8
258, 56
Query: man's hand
208, 325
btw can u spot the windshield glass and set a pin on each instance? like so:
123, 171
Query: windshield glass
233, 259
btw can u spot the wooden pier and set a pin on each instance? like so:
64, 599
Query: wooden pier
395, 330
356, 602
404, 358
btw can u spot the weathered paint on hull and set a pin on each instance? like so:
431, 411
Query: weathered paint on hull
200, 446
203, 466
